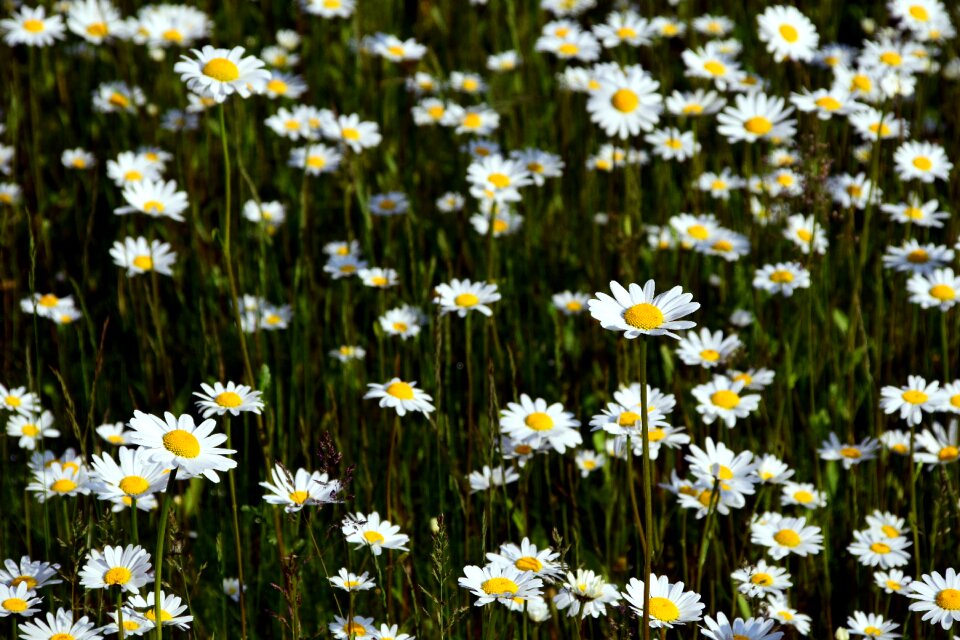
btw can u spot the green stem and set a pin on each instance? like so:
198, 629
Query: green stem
161, 534
133, 521
120, 628
647, 490
236, 535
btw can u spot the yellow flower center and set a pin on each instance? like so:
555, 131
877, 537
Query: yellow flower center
628, 419
567, 49
893, 586
948, 453
350, 134
725, 473
134, 485
715, 68
913, 213
62, 636
879, 547
828, 103
349, 584
923, 163
539, 421
79, 163
130, 625
880, 127
117, 575
143, 262
221, 69
119, 100
943, 292
656, 435
626, 32
891, 58
470, 121
172, 35
63, 485
400, 390
914, 397
299, 497
499, 180
873, 631
48, 301
918, 12
133, 176
229, 399
373, 537
669, 29
762, 579
316, 162
725, 399
574, 306
789, 33
14, 605
625, 101
781, 276
589, 465
673, 143
803, 497
277, 86
900, 448
400, 326
30, 581
918, 256
692, 109
499, 585
466, 300
698, 231
33, 26
787, 538
643, 316
758, 125
181, 443
470, 85
710, 355
151, 615
98, 30
378, 281
889, 531
332, 4
852, 453
523, 449
664, 609
528, 563
30, 430
348, 268
949, 599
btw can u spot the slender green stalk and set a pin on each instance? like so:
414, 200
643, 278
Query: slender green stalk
120, 629
647, 490
158, 556
231, 480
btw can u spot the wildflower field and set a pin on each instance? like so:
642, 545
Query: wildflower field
486, 319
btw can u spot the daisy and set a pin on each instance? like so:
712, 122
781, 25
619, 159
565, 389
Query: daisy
673, 144
221, 72
784, 536
134, 623
779, 609
721, 398
639, 312
911, 400
58, 480
713, 26
78, 159
826, 103
315, 159
540, 164
850, 454
232, 398
469, 83
872, 124
45, 305
892, 581
623, 27
668, 27
272, 214
922, 160
938, 289
32, 27
949, 397
179, 443
802, 494
135, 477
585, 593
543, 563
762, 579
719, 185
496, 178
782, 277
352, 132
344, 266
696, 103
401, 396
93, 20
589, 461
389, 204
709, 63
171, 609
535, 422
575, 45
499, 582
718, 465
31, 428
154, 198
125, 567
939, 445
137, 256
504, 61
874, 549
283, 85
570, 303
915, 212
130, 167
10, 194
915, 258
114, 97
463, 296
626, 103
495, 477
62, 625
301, 489
513, 449
695, 229
670, 605
231, 588
328, 9
772, 470
18, 601
450, 202
937, 596
478, 119
352, 627
917, 14
431, 111
35, 574
480, 148
788, 33
346, 353
707, 349
756, 116
372, 532
505, 222
290, 124
804, 232
871, 625
352, 582
897, 441
404, 321
749, 629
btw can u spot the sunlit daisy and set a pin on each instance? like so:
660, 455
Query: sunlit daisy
31, 428
939, 289
543, 563
761, 579
892, 581
371, 531
937, 596
301, 489
938, 445
722, 398
352, 582
670, 605
638, 311
178, 442
35, 574
923, 161
59, 626
802, 494
221, 72
784, 536
586, 594
125, 567
788, 33
463, 296
911, 400
626, 103
756, 116
172, 609
707, 349
135, 477
783, 278
401, 396
138, 256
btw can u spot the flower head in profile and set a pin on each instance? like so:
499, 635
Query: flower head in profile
401, 396
637, 311
230, 398
463, 296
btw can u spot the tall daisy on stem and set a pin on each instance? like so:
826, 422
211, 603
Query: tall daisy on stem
638, 312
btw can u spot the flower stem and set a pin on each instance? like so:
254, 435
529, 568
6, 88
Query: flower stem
161, 534
647, 490
236, 535
120, 629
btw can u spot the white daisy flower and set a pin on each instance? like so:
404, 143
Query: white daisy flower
59, 625
232, 398
125, 567
370, 531
138, 256
849, 454
463, 296
939, 289
722, 398
761, 579
401, 396
638, 311
500, 582
937, 596
536, 422
784, 536
586, 594
911, 400
352, 582
782, 277
221, 72
788, 33
178, 442
923, 161
301, 489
